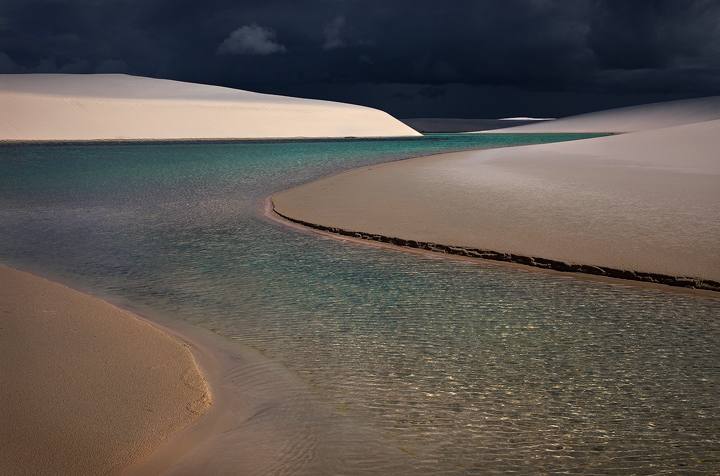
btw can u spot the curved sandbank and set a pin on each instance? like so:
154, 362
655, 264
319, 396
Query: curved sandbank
87, 388
642, 206
91, 389
75, 107
631, 119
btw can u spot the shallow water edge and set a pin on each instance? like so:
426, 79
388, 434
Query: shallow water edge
532, 261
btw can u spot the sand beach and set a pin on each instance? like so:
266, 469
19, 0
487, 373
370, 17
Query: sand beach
87, 387
90, 389
632, 205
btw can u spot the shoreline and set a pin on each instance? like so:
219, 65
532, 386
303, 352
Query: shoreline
190, 140
706, 288
639, 206
228, 370
264, 418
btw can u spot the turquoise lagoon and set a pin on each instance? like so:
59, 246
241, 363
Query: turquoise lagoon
463, 368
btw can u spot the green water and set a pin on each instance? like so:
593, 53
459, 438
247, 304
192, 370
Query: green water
464, 368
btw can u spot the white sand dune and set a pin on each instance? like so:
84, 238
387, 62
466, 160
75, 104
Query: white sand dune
37, 107
632, 119
647, 201
690, 148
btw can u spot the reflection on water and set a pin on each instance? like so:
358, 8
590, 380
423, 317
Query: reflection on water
467, 369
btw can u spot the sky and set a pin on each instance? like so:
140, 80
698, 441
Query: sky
412, 58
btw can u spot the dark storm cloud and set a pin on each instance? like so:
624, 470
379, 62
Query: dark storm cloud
410, 50
251, 40
427, 92
332, 33
655, 34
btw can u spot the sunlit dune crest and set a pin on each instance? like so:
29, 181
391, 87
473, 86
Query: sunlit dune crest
115, 107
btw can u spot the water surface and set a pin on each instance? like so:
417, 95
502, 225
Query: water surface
464, 368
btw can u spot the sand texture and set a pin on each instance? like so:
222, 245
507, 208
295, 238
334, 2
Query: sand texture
60, 107
87, 388
632, 119
646, 202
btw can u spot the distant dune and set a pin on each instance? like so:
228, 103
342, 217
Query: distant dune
38, 107
641, 205
634, 118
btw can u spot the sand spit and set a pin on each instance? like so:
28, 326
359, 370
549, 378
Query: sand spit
632, 119
69, 107
642, 206
87, 388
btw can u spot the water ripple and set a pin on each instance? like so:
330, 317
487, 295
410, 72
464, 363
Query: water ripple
461, 368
